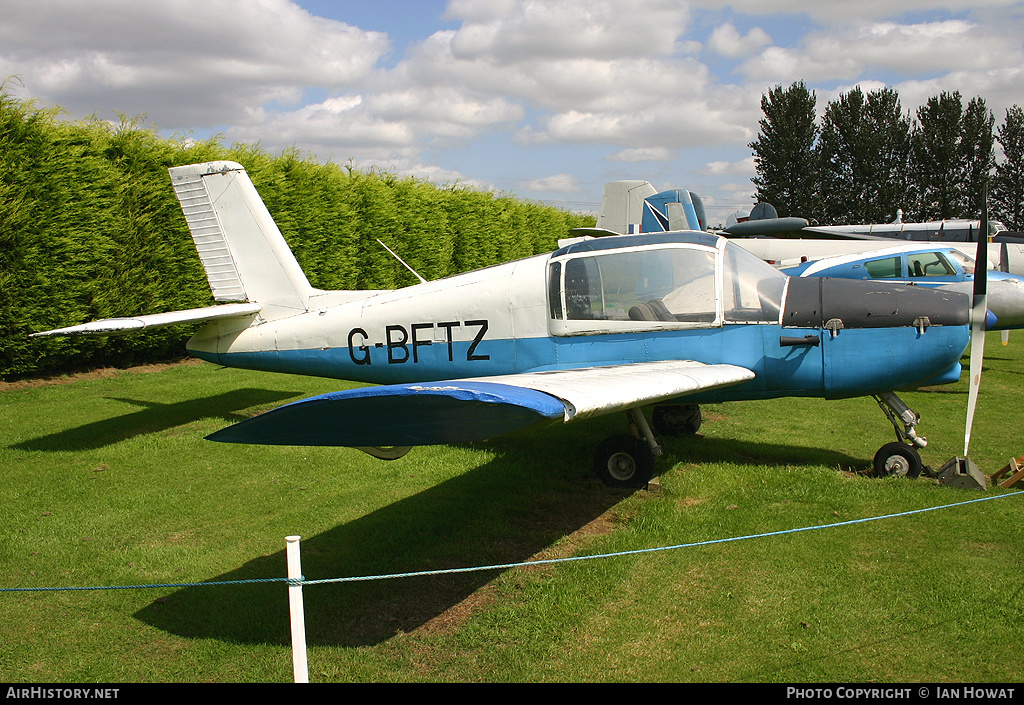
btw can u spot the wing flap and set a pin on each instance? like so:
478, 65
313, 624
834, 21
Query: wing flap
120, 326
593, 391
458, 411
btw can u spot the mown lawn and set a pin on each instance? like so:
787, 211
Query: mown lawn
107, 480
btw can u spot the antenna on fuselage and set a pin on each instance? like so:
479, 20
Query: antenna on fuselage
414, 272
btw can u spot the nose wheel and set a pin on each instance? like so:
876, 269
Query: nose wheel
900, 458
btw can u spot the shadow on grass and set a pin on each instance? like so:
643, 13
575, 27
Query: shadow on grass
530, 495
152, 418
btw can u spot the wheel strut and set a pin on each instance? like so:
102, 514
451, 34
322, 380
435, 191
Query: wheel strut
639, 421
896, 411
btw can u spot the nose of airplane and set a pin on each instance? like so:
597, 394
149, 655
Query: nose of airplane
881, 335
872, 304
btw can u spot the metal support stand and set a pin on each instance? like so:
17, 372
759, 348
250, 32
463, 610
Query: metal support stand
963, 473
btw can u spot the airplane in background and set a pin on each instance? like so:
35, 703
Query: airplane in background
630, 207
668, 320
954, 230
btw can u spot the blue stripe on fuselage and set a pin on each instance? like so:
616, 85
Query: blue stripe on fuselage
854, 363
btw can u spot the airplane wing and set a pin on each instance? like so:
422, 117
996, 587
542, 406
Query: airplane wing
825, 232
458, 411
119, 326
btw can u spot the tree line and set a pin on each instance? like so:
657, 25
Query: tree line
866, 158
90, 228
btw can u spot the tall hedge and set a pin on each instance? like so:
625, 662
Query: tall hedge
90, 228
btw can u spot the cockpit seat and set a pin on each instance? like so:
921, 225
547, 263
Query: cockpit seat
653, 310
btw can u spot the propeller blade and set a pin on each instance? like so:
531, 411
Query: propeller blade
978, 310
1004, 266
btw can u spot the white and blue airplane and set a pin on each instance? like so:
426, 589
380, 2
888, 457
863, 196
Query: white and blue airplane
668, 320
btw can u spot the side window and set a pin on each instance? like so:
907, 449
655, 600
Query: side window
752, 288
555, 290
929, 264
888, 268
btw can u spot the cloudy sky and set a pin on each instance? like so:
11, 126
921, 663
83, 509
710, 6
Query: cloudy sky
546, 99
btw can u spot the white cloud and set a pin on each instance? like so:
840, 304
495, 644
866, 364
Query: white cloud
559, 183
337, 127
742, 167
841, 13
727, 41
643, 154
187, 64
596, 29
925, 48
670, 124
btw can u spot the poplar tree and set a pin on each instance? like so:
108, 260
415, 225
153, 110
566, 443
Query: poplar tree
1007, 193
784, 151
863, 149
951, 157
976, 149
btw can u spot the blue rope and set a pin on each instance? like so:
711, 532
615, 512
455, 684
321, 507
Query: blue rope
290, 581
521, 564
503, 566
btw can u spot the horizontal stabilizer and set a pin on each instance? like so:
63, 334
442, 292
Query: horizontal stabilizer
120, 326
458, 411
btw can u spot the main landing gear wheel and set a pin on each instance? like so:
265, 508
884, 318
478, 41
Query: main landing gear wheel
624, 461
897, 459
676, 419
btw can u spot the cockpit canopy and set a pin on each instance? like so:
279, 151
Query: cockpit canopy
664, 281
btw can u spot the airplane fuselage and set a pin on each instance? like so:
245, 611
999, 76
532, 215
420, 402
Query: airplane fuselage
503, 320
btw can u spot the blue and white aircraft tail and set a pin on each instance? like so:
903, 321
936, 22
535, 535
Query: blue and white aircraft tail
242, 250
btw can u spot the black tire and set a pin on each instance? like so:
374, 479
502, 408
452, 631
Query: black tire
624, 461
897, 459
676, 419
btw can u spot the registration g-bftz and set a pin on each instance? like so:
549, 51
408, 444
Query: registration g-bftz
403, 344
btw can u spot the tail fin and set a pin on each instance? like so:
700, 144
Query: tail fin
242, 250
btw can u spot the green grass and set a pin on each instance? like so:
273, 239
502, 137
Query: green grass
108, 481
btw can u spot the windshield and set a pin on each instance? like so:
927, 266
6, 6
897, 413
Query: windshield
752, 288
966, 261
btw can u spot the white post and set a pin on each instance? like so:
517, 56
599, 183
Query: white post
298, 620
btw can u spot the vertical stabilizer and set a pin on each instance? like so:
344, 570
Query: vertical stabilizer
242, 250
622, 206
